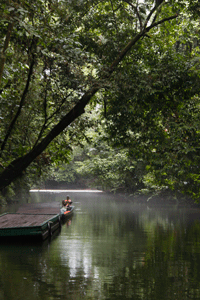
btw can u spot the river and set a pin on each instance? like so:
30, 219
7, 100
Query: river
110, 249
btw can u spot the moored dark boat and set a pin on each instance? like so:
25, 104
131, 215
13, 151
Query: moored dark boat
18, 225
35, 220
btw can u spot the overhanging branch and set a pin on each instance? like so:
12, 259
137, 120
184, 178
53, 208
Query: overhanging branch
127, 48
12, 124
161, 21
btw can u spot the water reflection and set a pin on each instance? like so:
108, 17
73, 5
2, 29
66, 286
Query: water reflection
110, 249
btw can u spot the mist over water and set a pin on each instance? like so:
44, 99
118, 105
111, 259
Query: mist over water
110, 249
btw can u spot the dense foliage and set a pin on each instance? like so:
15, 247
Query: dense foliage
135, 62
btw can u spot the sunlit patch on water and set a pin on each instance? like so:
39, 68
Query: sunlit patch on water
66, 191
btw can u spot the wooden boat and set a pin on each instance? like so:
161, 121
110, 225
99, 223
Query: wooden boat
29, 225
38, 220
47, 208
66, 212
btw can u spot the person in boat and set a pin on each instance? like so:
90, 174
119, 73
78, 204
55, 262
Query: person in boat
67, 202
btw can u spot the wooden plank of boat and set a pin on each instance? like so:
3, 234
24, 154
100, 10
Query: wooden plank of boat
40, 208
46, 208
65, 214
37, 225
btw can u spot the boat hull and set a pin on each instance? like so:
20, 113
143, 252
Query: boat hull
67, 214
28, 225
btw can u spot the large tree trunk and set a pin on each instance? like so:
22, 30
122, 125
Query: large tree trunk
16, 168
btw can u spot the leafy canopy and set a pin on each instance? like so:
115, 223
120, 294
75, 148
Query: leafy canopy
58, 56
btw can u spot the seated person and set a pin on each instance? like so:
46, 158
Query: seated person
67, 202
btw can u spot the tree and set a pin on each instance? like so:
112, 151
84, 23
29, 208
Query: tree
55, 58
156, 114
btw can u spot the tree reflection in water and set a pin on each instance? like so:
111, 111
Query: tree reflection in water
110, 249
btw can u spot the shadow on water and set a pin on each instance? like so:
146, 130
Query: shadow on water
110, 249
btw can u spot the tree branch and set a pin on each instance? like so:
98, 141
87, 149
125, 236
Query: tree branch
6, 43
12, 124
48, 119
161, 21
157, 7
137, 13
127, 48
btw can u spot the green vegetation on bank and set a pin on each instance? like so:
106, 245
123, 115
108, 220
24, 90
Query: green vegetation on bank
133, 67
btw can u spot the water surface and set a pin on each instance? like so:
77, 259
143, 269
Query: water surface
110, 249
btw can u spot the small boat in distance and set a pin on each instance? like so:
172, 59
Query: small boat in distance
66, 212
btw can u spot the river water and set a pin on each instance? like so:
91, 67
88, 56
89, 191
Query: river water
110, 249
